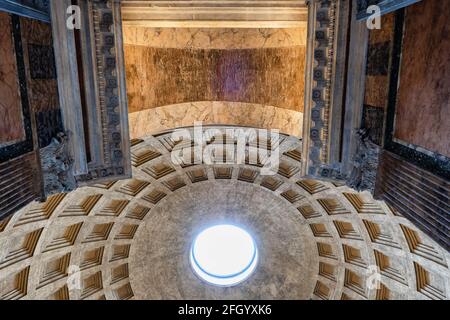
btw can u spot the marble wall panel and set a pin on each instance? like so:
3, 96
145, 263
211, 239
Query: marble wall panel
256, 73
377, 77
11, 123
40, 64
214, 38
41, 78
163, 76
385, 33
378, 56
376, 91
155, 120
423, 107
48, 125
373, 119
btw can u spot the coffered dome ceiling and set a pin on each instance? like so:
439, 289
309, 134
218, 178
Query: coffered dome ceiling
130, 239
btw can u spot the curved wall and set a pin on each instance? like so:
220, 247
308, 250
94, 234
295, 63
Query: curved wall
251, 77
214, 38
317, 239
159, 119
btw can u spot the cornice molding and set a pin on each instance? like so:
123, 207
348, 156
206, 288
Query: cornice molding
207, 13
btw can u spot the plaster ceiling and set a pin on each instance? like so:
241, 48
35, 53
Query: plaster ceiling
129, 239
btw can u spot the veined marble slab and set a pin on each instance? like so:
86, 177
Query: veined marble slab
11, 123
215, 38
159, 119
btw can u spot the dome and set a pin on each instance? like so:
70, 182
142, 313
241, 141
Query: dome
136, 239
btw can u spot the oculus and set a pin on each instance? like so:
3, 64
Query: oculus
224, 255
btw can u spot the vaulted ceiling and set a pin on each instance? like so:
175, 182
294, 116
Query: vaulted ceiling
219, 62
130, 239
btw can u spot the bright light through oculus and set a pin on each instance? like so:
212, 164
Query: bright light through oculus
224, 255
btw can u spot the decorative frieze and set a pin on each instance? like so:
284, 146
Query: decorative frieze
112, 110
323, 88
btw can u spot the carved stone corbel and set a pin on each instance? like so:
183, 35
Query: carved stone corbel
365, 163
56, 165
